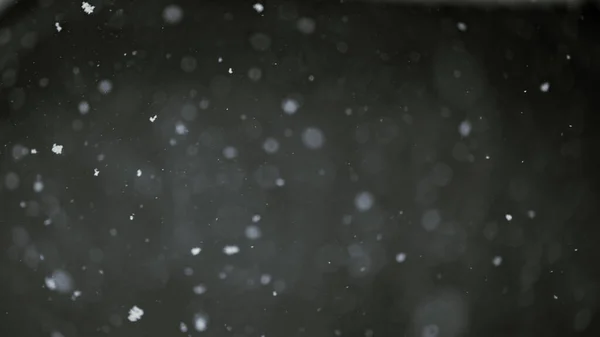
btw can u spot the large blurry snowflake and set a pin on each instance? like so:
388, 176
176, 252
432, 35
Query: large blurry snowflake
87, 8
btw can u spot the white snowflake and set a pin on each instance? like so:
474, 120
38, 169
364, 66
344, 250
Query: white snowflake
87, 8
57, 148
461, 26
58, 27
139, 173
135, 314
258, 7
545, 87
96, 172
153, 118
497, 260
231, 250
196, 250
508, 217
400, 257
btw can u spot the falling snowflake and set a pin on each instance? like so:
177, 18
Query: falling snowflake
545, 87
153, 118
139, 173
196, 250
497, 260
135, 314
258, 7
461, 26
400, 257
96, 172
231, 250
87, 8
58, 27
508, 217
200, 322
57, 148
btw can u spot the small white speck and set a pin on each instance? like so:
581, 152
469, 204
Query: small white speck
153, 118
196, 250
290, 106
265, 279
230, 71
87, 8
57, 148
139, 173
497, 260
256, 218
568, 57
461, 26
258, 7
279, 182
199, 289
220, 59
75, 295
182, 327
131, 216
274, 293
231, 250
555, 297
363, 201
531, 214
84, 107
544, 87
96, 172
135, 314
58, 27
33, 151
508, 217
400, 257
487, 156
38, 185
465, 128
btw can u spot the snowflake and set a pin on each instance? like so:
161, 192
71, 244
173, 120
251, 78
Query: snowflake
87, 8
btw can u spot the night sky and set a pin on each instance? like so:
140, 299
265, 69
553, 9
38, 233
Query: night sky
298, 168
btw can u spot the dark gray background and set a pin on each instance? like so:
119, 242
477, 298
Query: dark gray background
431, 127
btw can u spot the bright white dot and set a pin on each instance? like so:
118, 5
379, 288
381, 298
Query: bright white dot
544, 87
253, 232
497, 260
84, 107
182, 327
555, 297
131, 216
290, 106
461, 26
58, 27
231, 250
200, 322
135, 314
258, 7
363, 201
96, 172
75, 295
230, 152
172, 14
265, 279
271, 145
279, 182
400, 257
313, 138
87, 8
196, 250
57, 148
33, 151
139, 173
465, 128
508, 217
531, 214
153, 118
256, 218
105, 87
199, 289
230, 71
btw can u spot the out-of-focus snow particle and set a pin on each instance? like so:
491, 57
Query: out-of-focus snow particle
135, 314
256, 218
172, 14
255, 74
430, 330
497, 260
105, 87
464, 128
199, 289
290, 106
313, 138
508, 217
188, 64
258, 7
33, 151
87, 8
60, 281
231, 250
461, 26
113, 232
196, 250
279, 182
545, 87
265, 279
531, 214
200, 322
555, 297
139, 173
253, 232
56, 334
11, 181
96, 172
75, 295
183, 327
363, 201
431, 219
131, 216
400, 257
84, 107
180, 128
306, 25
271, 145
230, 70
38, 185
230, 152
58, 27
57, 148
153, 118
